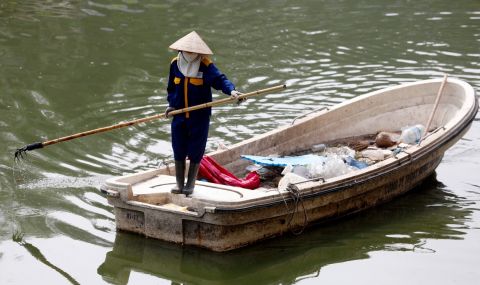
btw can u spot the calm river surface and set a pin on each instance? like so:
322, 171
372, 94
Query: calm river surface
69, 66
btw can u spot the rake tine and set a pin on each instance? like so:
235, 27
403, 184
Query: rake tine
21, 153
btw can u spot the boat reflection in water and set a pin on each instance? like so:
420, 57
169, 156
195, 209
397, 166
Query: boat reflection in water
437, 214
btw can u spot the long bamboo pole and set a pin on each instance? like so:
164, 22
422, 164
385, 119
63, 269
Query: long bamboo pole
20, 151
435, 106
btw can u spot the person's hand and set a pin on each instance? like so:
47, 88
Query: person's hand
168, 110
234, 94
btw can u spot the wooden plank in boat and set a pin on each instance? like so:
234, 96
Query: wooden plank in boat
203, 190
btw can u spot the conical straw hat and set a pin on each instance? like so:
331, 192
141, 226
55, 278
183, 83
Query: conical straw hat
192, 43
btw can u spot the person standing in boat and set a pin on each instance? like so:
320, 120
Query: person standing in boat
192, 75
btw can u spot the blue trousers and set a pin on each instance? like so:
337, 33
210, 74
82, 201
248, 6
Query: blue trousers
189, 137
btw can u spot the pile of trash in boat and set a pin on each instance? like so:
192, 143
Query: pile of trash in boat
321, 161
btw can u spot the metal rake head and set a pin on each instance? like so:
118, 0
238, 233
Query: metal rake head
21, 153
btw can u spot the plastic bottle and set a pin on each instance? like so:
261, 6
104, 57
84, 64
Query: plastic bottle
412, 135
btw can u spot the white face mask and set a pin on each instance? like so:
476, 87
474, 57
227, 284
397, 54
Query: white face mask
189, 56
189, 64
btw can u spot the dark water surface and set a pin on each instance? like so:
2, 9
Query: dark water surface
69, 66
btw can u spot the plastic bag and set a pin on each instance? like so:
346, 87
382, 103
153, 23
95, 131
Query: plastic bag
289, 178
376, 154
332, 167
355, 163
297, 169
342, 151
412, 134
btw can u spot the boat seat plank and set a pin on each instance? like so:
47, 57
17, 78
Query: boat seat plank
162, 184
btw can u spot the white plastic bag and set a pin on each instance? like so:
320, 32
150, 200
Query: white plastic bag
289, 178
287, 169
412, 134
297, 169
332, 167
376, 154
342, 151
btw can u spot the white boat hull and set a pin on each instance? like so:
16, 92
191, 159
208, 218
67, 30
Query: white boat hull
222, 218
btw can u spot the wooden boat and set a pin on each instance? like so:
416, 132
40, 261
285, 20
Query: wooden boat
222, 218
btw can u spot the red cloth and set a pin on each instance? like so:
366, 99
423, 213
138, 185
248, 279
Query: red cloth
215, 173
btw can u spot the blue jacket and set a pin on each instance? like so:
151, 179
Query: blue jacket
187, 91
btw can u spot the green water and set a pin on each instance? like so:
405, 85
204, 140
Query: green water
69, 66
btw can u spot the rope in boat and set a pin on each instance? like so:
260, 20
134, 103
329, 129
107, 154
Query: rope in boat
297, 202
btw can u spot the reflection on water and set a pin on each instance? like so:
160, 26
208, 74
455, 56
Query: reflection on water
437, 215
35, 252
69, 66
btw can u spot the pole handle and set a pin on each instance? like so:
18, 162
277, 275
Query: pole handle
435, 106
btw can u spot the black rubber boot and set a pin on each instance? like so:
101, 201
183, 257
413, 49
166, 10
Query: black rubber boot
192, 177
180, 176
